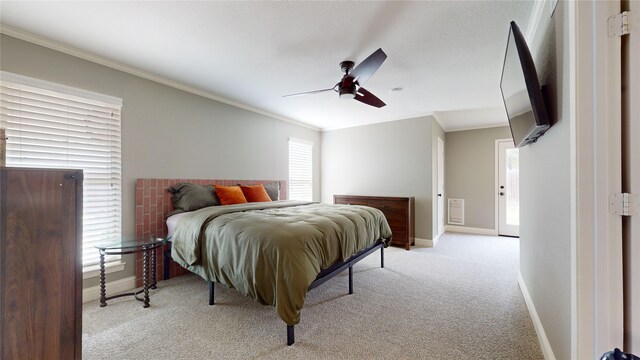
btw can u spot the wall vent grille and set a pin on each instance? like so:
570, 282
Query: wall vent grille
456, 211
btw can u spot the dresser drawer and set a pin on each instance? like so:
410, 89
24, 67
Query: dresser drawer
399, 234
394, 215
346, 200
399, 212
355, 202
391, 204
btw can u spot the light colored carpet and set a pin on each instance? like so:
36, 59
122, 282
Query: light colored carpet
459, 300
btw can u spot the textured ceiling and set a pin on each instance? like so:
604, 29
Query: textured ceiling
445, 55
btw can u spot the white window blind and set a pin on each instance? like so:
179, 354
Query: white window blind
300, 170
55, 129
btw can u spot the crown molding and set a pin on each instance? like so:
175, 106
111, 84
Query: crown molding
439, 121
479, 127
378, 122
69, 50
534, 19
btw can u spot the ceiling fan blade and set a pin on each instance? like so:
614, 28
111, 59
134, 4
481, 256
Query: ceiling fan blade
310, 92
368, 98
368, 67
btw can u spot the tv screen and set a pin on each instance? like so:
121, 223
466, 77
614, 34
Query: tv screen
521, 92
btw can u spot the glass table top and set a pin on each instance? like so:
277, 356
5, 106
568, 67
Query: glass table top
131, 244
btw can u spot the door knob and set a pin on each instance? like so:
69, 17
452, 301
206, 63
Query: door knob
440, 195
501, 186
501, 193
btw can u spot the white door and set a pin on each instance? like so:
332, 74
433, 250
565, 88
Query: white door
440, 186
508, 189
631, 184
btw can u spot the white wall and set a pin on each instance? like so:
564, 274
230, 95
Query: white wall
545, 194
386, 159
169, 133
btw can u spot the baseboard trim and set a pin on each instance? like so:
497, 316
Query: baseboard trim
92, 271
425, 242
471, 230
537, 324
113, 287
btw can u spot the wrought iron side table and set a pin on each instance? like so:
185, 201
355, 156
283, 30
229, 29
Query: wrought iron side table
149, 277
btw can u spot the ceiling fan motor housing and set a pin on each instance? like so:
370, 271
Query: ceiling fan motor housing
347, 89
347, 66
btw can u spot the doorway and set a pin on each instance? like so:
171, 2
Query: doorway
440, 186
508, 188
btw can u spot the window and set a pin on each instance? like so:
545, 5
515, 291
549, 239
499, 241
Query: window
300, 170
53, 126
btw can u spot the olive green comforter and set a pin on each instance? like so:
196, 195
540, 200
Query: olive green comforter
273, 251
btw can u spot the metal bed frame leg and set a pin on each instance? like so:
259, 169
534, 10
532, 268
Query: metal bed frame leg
382, 257
290, 335
166, 259
350, 280
211, 293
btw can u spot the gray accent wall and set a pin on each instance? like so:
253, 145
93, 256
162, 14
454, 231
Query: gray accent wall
546, 192
386, 159
169, 133
470, 168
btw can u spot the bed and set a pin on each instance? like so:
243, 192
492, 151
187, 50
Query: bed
276, 251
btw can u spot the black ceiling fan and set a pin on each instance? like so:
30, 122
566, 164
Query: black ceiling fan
350, 86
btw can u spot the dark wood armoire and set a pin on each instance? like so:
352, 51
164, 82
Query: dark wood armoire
40, 263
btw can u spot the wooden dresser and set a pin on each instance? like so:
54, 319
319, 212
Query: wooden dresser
40, 263
399, 211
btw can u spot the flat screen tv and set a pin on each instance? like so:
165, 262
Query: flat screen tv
521, 93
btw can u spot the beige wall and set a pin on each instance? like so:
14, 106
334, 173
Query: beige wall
470, 173
387, 159
166, 132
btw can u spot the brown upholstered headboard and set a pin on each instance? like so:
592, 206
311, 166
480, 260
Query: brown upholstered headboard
153, 202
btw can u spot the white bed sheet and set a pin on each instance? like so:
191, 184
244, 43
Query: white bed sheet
172, 222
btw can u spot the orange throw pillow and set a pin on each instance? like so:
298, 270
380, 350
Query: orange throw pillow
230, 195
255, 193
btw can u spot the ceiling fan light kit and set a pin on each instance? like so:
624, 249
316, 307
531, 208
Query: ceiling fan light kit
350, 86
346, 95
